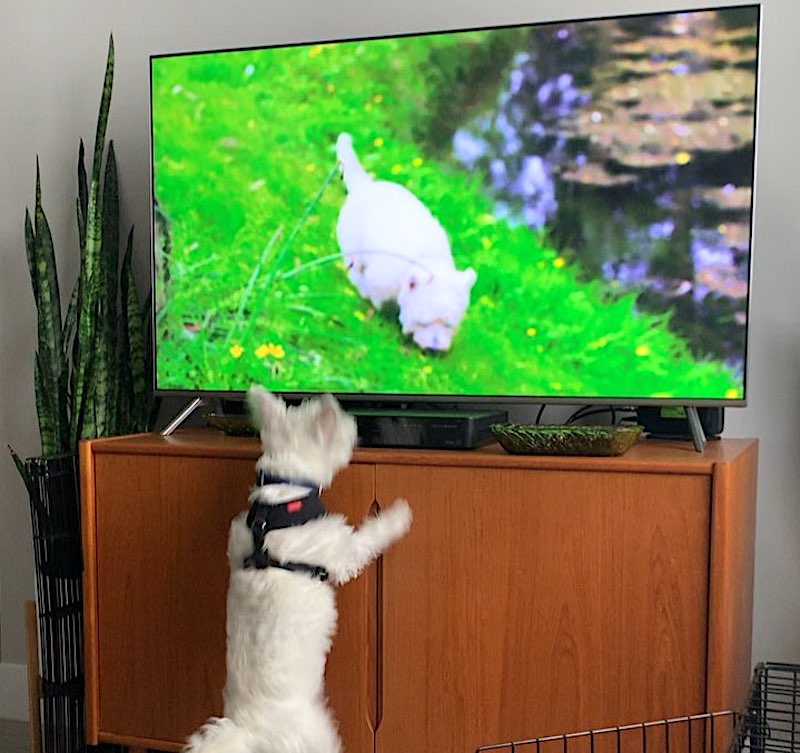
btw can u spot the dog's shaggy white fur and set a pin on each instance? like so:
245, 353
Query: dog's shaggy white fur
280, 624
396, 250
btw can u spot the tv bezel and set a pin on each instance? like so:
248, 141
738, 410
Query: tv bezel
446, 399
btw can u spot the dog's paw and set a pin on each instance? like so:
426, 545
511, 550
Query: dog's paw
397, 517
375, 534
240, 540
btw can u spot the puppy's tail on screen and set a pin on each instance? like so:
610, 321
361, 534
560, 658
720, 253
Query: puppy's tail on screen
222, 735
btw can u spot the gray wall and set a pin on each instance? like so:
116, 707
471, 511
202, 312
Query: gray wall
51, 57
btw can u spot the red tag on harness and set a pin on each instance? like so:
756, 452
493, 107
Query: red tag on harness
294, 506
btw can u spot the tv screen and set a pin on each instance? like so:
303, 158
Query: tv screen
550, 212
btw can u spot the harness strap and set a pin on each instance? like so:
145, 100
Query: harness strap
262, 560
261, 520
293, 512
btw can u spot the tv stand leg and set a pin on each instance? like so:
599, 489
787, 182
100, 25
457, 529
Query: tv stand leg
182, 416
698, 435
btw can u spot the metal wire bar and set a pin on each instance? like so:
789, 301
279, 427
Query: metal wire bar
689, 722
773, 714
769, 724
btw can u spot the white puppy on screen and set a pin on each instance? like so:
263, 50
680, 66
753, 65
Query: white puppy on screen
396, 250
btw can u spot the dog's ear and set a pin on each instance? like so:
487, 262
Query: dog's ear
265, 407
328, 419
468, 277
412, 282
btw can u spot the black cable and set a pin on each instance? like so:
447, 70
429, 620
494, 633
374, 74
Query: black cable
588, 410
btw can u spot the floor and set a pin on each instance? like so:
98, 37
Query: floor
13, 737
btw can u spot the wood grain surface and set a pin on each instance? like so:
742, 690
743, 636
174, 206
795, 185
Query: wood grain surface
533, 596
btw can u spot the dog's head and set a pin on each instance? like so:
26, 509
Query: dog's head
311, 441
432, 304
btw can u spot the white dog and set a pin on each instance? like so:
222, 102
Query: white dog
286, 555
396, 250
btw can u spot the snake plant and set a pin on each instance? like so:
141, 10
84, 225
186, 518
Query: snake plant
89, 370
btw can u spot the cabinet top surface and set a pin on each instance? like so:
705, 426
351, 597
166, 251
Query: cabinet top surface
654, 455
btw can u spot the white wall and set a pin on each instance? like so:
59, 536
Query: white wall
52, 55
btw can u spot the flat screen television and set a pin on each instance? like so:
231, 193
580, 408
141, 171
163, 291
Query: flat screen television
544, 212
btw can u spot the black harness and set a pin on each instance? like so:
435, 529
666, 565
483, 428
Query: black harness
264, 517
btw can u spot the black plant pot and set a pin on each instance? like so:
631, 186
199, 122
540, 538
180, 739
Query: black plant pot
55, 520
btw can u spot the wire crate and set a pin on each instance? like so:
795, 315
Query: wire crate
55, 520
773, 712
769, 724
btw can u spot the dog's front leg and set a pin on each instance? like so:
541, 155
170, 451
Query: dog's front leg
372, 537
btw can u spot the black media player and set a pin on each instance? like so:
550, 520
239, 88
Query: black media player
431, 429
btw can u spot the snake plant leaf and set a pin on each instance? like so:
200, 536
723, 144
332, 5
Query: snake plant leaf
103, 395
70, 319
30, 249
98, 396
82, 353
45, 274
110, 227
82, 201
44, 409
85, 411
110, 261
23, 471
48, 305
94, 214
102, 117
84, 364
135, 355
85, 418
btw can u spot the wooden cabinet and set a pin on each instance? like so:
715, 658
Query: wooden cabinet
532, 596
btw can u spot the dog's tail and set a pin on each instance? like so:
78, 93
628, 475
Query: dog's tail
353, 173
222, 735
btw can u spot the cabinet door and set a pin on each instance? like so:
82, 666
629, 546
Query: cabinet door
162, 527
535, 602
162, 577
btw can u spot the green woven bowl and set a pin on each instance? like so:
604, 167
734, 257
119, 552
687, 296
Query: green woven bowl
530, 439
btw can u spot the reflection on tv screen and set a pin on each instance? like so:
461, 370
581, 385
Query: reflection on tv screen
552, 211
